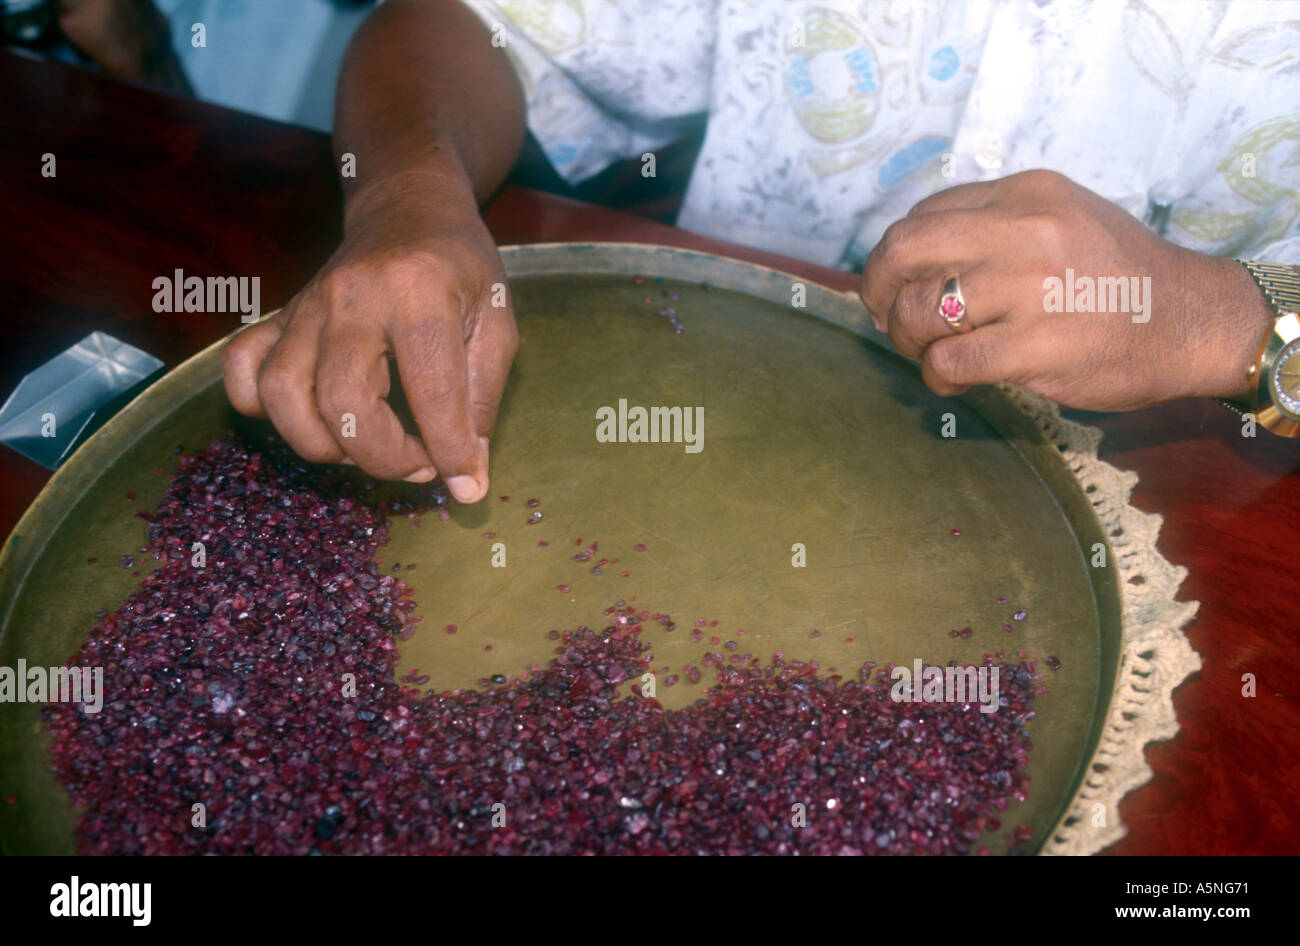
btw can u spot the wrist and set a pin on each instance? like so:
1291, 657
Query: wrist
1243, 319
437, 185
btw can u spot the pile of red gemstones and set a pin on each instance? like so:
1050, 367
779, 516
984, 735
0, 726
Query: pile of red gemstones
250, 707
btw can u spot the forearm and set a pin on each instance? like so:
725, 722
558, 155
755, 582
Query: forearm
425, 100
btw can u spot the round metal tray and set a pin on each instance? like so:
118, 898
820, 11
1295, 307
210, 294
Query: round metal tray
815, 434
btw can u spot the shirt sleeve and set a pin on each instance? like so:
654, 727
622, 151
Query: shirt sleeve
605, 81
247, 63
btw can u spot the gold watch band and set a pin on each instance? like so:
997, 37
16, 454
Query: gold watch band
1280, 284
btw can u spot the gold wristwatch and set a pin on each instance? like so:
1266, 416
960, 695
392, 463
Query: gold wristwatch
1275, 375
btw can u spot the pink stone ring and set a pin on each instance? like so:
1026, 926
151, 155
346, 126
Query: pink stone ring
952, 306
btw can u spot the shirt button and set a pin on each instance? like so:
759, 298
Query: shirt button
1160, 203
991, 155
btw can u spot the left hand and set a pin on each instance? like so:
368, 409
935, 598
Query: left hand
1194, 333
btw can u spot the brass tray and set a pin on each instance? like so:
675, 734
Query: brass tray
815, 433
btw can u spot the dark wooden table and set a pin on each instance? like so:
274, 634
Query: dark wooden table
147, 183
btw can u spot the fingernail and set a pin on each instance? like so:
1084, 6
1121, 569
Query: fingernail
875, 320
421, 476
464, 488
348, 461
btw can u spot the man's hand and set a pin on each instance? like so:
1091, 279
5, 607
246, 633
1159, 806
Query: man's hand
1197, 333
129, 39
431, 113
413, 280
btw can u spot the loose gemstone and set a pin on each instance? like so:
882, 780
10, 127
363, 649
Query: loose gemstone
235, 695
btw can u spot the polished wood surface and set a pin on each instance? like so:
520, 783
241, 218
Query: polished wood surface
147, 183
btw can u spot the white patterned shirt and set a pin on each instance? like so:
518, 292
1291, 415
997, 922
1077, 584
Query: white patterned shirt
827, 121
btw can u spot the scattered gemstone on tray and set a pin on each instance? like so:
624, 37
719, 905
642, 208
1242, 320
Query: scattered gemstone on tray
261, 687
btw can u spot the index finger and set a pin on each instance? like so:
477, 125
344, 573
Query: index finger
352, 385
431, 361
489, 352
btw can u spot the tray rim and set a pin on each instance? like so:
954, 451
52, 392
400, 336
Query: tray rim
78, 471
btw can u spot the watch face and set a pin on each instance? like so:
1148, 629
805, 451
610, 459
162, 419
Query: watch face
1286, 379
